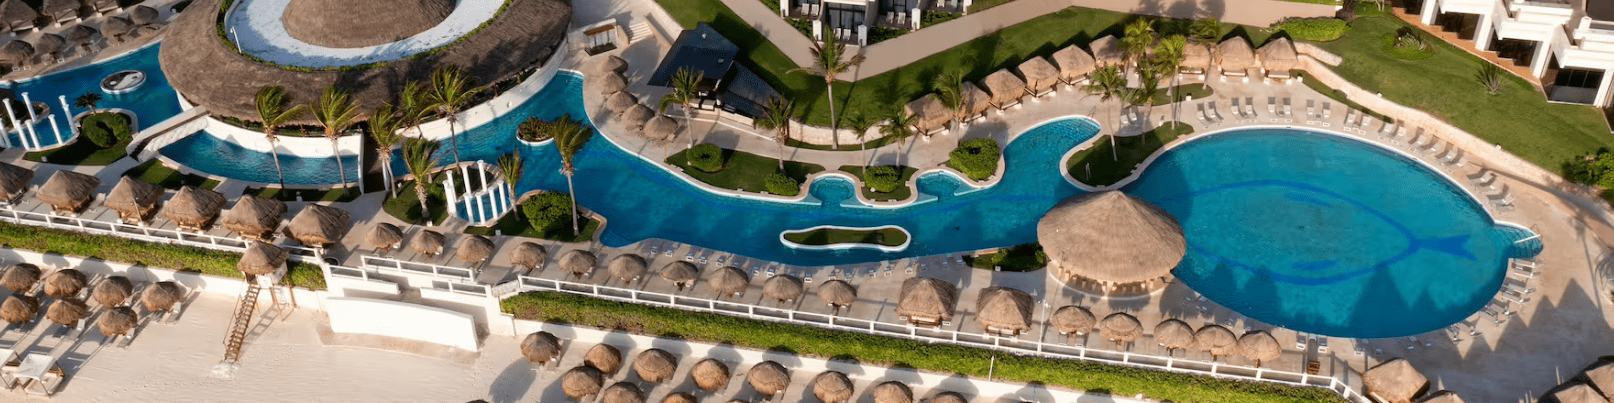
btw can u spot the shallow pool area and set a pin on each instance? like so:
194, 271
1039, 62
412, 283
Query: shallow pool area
211, 155
152, 102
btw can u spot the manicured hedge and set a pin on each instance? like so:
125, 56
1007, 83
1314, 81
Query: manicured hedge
106, 129
706, 157
976, 158
548, 211
883, 179
782, 185
1315, 29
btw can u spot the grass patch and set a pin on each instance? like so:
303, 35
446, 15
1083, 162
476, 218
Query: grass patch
832, 236
515, 224
886, 351
292, 195
115, 249
744, 171
1181, 93
85, 152
982, 5
867, 145
406, 206
155, 172
1107, 162
1407, 53
1027, 257
901, 193
1338, 97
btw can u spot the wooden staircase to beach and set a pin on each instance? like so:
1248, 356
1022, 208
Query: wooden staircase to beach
241, 322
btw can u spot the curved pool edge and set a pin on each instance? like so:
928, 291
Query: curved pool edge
847, 246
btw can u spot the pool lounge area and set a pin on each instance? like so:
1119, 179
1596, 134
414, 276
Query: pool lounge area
152, 102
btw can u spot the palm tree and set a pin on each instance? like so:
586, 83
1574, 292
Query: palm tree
420, 157
860, 124
900, 126
273, 112
384, 124
413, 107
570, 137
336, 112
450, 91
1138, 37
1107, 83
510, 165
88, 101
827, 63
1168, 58
949, 87
685, 91
777, 119
1205, 31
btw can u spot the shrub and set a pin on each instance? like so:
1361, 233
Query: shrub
977, 158
706, 157
106, 129
532, 130
548, 211
780, 184
1593, 169
1318, 29
883, 179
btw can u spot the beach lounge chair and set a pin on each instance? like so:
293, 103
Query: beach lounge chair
1216, 114
1272, 105
1288, 112
1350, 119
1322, 344
1433, 148
1202, 119
1387, 130
1311, 112
1236, 111
1452, 159
1502, 200
1300, 341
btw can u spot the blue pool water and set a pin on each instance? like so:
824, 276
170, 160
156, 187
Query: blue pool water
155, 101
208, 154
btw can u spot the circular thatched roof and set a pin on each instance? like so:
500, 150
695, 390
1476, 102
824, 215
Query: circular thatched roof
1120, 327
1174, 334
1235, 54
1073, 319
16, 13
49, 43
768, 377
1278, 55
117, 26
837, 292
143, 15
80, 34
428, 242
207, 72
16, 51
193, 206
634, 117
612, 83
540, 347
133, 197
1196, 56
661, 128
65, 283
655, 365
529, 255
1260, 346
627, 267
581, 381
892, 392
1395, 380
680, 272
319, 225
1577, 392
117, 320
622, 392
161, 296
262, 258
113, 291
384, 236
473, 249
256, 216
1216, 339
20, 277
710, 375
604, 357
612, 64
18, 308
620, 101
1112, 237
783, 287
1073, 62
361, 23
68, 190
1005, 309
928, 298
67, 311
679, 397
577, 261
14, 179
832, 387
948, 397
729, 280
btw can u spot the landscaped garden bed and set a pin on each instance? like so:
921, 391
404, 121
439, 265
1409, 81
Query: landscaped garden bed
104, 138
1112, 159
1017, 258
891, 237
884, 183
976, 158
742, 171
546, 215
155, 172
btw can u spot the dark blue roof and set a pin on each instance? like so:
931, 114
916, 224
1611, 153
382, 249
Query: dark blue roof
701, 49
746, 92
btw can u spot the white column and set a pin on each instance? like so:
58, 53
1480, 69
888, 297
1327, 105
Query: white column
1603, 89
1543, 57
26, 103
6, 139
32, 119
67, 112
1482, 33
1431, 9
448, 193
818, 30
476, 199
54, 129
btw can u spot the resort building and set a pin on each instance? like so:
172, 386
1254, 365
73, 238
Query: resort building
1567, 45
724, 84
851, 20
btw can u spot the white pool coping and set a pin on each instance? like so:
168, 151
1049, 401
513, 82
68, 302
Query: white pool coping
847, 246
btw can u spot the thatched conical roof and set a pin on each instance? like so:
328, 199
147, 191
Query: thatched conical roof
948, 397
1111, 237
1577, 392
18, 308
1003, 309
133, 198
768, 377
622, 392
680, 272
1260, 346
927, 298
1235, 54
1394, 381
1196, 56
1120, 327
1601, 376
837, 292
540, 347
254, 216
193, 206
972, 100
384, 236
832, 387
529, 255
620, 101
59, 9
1107, 51
427, 242
729, 280
112, 291
20, 277
1216, 339
80, 34
14, 179
1073, 63
612, 64
161, 296
16, 14
581, 381
67, 311
604, 357
679, 397
16, 51
1005, 87
262, 258
1174, 334
1444, 396
627, 267
1038, 73
1278, 55
929, 113
783, 287
634, 117
142, 15
117, 320
612, 83
361, 23
319, 225
65, 283
50, 44
710, 375
577, 262
1073, 319
117, 26
892, 392
473, 249
655, 365
661, 128
68, 190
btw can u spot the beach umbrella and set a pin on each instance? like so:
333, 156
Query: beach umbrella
1120, 327
14, 179
1216, 339
622, 392
116, 321
710, 375
578, 262
20, 277
948, 397
768, 378
680, 273
67, 311
783, 287
613, 64
427, 242
117, 27
832, 387
1576, 392
68, 192
679, 397
65, 283
319, 225
161, 296
540, 347
604, 357
627, 267
837, 293
634, 117
661, 128
529, 255
143, 15
133, 199
581, 381
1073, 63
255, 217
80, 35
655, 365
613, 83
620, 101
1110, 237
112, 291
1003, 310
1260, 346
384, 237
193, 207
1174, 334
892, 392
729, 281
1394, 381
16, 52
18, 308
50, 44
262, 259
1601, 376
1071, 319
473, 249
928, 298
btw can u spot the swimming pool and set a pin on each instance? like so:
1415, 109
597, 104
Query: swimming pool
154, 102
209, 154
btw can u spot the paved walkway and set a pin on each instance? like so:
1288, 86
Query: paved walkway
256, 26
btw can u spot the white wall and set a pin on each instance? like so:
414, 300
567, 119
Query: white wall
402, 320
311, 147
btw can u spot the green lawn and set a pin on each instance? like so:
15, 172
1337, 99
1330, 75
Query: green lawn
515, 224
744, 171
83, 151
1181, 93
123, 250
885, 351
1109, 165
830, 236
878, 142
406, 206
1339, 97
155, 172
1025, 257
330, 195
982, 5
901, 193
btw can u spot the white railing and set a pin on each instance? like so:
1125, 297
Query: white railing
389, 265
905, 331
142, 233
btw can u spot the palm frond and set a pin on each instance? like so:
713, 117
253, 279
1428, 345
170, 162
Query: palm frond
511, 166
420, 157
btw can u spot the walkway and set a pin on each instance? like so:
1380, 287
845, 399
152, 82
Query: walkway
256, 26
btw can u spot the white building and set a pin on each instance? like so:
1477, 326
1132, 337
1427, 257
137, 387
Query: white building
1567, 44
851, 20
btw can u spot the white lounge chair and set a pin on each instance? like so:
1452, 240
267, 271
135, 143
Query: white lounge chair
1311, 112
1249, 107
1202, 117
1288, 112
1236, 111
1215, 113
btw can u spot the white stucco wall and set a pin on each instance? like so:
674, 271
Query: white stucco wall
401, 320
311, 147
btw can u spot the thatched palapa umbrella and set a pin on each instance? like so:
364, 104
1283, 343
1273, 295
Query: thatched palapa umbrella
51, 45
161, 296
581, 381
134, 199
1071, 319
604, 357
1278, 56
116, 321
540, 347
473, 249
319, 226
948, 397
927, 300
679, 397
1003, 310
1196, 57
67, 311
117, 27
768, 378
529, 255
262, 259
60, 9
832, 387
17, 15
627, 267
427, 242
13, 180
80, 35
20, 277
68, 192
837, 294
655, 365
1394, 381
383, 237
972, 100
1039, 74
1216, 339
1444, 396
929, 113
680, 273
1576, 392
1120, 327
1005, 88
1235, 56
622, 392
620, 101
18, 308
255, 217
634, 117
578, 262
1174, 334
65, 283
1073, 63
16, 52
892, 392
1112, 238
661, 128
142, 15
1260, 346
710, 375
729, 281
193, 207
112, 291
1107, 51
612, 64
613, 83
783, 288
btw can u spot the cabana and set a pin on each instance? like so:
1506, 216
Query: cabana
262, 259
783, 288
134, 199
1576, 392
319, 226
729, 281
973, 102
930, 115
383, 237
193, 208
51, 46
1120, 327
257, 218
529, 255
16, 53
61, 11
1235, 57
1196, 59
1278, 58
116, 27
1173, 334
1394, 381
1107, 52
1003, 311
1074, 64
655, 365
68, 192
428, 242
474, 249
768, 378
710, 375
143, 15
832, 387
17, 15
1111, 240
578, 262
926, 301
80, 35
1071, 319
13, 182
627, 267
1040, 76
1005, 88
680, 273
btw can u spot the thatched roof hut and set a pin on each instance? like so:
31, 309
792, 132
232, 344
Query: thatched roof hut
948, 397
768, 378
61, 9
1174, 334
729, 281
635, 116
383, 237
661, 128
65, 283
1073, 63
112, 291
16, 51
929, 113
1003, 310
117, 27
1260, 346
1576, 392
143, 15
18, 308
622, 392
612, 64
1279, 56
1005, 88
1235, 55
14, 180
193, 207
540, 347
529, 255
427, 242
680, 273
1444, 396
927, 300
162, 296
832, 387
613, 83
1394, 381
783, 287
655, 365
1107, 51
80, 35
620, 101
134, 199
1071, 319
710, 375
972, 100
50, 44
837, 293
20, 277
604, 357
1112, 238
679, 397
16, 14
1601, 376
473, 249
68, 192
581, 381
1216, 339
627, 267
262, 259
578, 262
1120, 327
319, 226
116, 321
1038, 73
1197, 57
255, 217
892, 392
67, 311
